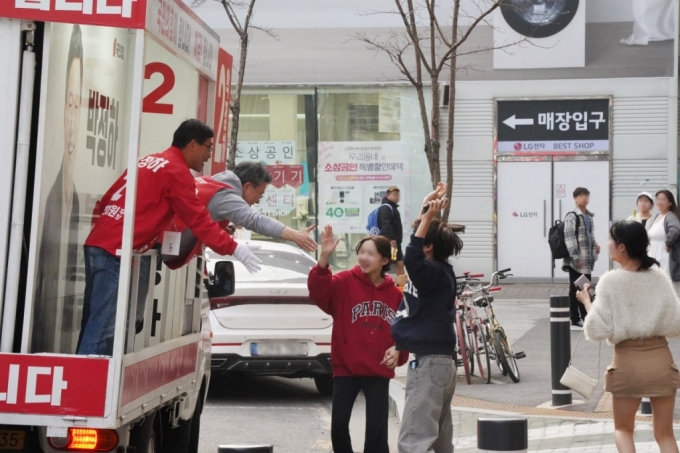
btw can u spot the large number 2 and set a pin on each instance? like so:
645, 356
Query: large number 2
150, 103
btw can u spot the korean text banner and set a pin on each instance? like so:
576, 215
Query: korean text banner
111, 13
559, 126
354, 178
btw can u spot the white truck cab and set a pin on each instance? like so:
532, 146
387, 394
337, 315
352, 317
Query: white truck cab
88, 88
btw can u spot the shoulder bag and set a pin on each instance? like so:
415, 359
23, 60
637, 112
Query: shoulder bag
577, 380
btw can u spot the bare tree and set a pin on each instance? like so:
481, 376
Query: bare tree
243, 29
422, 52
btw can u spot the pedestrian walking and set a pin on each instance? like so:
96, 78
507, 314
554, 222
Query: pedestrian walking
363, 302
664, 236
389, 222
644, 215
579, 236
424, 326
636, 309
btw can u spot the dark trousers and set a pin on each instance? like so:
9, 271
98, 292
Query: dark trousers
345, 392
578, 311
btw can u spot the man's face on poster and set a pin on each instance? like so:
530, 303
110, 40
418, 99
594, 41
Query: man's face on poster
72, 115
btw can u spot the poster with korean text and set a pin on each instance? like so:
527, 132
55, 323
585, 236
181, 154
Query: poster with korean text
354, 178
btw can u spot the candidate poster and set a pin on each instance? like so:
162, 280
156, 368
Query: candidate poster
83, 153
354, 178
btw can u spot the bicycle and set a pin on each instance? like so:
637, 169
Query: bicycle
495, 334
476, 330
466, 348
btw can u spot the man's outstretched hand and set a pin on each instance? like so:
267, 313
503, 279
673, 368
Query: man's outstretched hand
301, 238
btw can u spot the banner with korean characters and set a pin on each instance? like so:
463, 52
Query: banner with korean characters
111, 13
181, 31
280, 198
221, 118
82, 151
267, 152
553, 126
353, 179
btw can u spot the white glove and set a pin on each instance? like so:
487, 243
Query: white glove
245, 255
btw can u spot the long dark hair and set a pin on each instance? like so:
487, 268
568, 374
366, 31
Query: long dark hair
384, 248
634, 236
671, 198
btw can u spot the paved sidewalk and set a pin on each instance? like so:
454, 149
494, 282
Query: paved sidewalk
552, 433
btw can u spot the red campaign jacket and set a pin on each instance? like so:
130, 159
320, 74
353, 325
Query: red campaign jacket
206, 188
362, 313
165, 188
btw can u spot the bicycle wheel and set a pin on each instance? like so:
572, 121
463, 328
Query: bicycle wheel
481, 351
469, 336
506, 356
462, 347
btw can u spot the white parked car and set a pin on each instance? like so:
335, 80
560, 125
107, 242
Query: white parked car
269, 326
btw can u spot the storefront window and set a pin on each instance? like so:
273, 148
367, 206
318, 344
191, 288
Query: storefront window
370, 139
278, 128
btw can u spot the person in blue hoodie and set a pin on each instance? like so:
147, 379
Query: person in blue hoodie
424, 326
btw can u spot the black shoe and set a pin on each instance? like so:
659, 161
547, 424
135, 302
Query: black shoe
577, 325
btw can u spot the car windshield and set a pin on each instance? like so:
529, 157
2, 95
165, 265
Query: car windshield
277, 266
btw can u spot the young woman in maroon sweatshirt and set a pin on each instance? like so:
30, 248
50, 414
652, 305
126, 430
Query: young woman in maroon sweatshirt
363, 302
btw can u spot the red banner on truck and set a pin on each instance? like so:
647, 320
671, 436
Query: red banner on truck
110, 13
53, 385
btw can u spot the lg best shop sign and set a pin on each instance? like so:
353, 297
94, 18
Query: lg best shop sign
553, 127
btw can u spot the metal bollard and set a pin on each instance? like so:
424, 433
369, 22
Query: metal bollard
560, 348
245, 449
645, 407
502, 434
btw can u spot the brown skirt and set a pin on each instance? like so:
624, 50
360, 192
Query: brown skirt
642, 368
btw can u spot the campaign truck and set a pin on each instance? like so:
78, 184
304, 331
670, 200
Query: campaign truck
89, 87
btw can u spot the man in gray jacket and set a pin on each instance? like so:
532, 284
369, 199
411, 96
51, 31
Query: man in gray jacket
247, 184
249, 181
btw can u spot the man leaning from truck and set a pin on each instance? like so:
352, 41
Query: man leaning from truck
165, 188
229, 197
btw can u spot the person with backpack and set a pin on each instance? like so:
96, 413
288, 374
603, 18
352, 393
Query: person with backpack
583, 249
389, 225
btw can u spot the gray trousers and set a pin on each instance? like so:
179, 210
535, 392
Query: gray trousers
427, 424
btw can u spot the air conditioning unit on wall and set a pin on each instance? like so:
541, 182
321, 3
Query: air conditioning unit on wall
536, 34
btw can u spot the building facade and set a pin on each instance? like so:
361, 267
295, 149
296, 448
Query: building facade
561, 102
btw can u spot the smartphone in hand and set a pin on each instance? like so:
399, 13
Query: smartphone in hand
582, 281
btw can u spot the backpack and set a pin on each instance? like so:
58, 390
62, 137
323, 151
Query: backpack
558, 246
373, 225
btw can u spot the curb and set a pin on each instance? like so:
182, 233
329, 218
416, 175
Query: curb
397, 395
397, 399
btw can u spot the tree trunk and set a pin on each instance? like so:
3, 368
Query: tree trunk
451, 111
435, 165
236, 103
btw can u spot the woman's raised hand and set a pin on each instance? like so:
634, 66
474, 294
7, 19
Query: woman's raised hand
328, 243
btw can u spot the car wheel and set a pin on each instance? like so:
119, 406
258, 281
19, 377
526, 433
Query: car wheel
324, 384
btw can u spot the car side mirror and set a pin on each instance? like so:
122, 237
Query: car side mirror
222, 283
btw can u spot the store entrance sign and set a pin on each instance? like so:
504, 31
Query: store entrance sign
553, 127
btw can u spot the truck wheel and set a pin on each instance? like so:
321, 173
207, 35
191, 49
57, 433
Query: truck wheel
144, 437
196, 425
184, 438
324, 384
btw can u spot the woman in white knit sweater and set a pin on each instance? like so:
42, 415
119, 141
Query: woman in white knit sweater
636, 309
